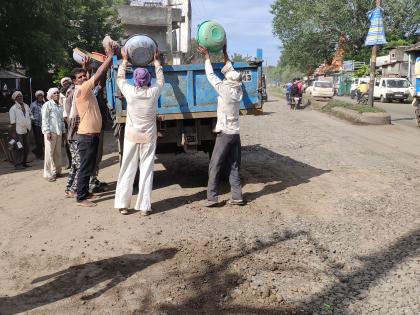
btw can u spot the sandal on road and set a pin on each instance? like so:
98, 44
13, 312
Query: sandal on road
123, 211
86, 203
92, 196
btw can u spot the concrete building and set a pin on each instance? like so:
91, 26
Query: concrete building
413, 53
399, 62
395, 64
167, 22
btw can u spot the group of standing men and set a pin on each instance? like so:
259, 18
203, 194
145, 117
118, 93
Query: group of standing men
55, 123
76, 118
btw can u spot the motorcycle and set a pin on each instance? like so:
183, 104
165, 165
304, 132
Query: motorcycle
295, 102
363, 99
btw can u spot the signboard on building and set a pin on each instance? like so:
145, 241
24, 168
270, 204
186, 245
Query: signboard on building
383, 60
348, 65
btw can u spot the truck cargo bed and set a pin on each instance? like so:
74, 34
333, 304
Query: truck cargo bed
187, 94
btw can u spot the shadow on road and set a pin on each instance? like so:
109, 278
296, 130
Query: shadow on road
276, 171
259, 166
80, 278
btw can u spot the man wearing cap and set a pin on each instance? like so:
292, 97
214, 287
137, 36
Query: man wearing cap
53, 129
140, 135
90, 125
20, 120
227, 149
36, 108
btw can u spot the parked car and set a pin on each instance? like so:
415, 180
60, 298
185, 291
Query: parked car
389, 89
321, 89
355, 83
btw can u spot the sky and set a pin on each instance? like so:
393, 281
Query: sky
248, 25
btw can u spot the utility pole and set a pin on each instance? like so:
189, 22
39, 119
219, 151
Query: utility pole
373, 67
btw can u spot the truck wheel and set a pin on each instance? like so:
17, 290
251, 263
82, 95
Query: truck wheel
384, 99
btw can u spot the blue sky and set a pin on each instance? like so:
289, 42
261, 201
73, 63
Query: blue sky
247, 24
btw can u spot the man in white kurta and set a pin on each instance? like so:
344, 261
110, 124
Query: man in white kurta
227, 149
53, 129
140, 137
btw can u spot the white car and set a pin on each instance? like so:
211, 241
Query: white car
321, 89
389, 89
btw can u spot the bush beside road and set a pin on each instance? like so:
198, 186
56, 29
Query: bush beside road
352, 106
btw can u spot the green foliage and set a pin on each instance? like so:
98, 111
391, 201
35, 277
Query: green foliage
239, 58
309, 30
353, 106
215, 57
282, 74
278, 90
362, 72
197, 58
40, 35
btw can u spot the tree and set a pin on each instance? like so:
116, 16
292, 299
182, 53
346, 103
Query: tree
364, 71
40, 35
236, 57
309, 30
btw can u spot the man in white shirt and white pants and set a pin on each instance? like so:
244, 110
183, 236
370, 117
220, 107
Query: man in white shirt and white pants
20, 120
228, 143
140, 135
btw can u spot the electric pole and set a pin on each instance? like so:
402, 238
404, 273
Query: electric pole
373, 66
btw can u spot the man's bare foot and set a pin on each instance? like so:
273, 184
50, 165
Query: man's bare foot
92, 196
86, 203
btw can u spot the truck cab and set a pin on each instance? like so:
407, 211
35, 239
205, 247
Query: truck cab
389, 89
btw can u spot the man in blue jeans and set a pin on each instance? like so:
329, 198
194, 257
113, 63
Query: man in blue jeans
227, 149
89, 127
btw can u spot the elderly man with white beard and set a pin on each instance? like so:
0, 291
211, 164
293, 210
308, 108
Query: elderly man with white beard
20, 120
227, 150
53, 129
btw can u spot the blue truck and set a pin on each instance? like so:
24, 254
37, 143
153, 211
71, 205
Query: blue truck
188, 104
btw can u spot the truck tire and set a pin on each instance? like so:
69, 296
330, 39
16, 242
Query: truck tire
384, 99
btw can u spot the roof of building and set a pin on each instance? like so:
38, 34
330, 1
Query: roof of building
6, 74
415, 47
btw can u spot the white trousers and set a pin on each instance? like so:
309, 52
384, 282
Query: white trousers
52, 159
136, 155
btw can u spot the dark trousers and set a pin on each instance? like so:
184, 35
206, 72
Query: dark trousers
39, 141
67, 146
227, 150
74, 168
99, 155
21, 156
88, 150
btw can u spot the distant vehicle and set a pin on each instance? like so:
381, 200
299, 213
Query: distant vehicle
363, 99
355, 83
389, 89
321, 89
295, 102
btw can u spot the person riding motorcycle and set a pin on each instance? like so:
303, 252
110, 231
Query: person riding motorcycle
288, 89
296, 92
362, 89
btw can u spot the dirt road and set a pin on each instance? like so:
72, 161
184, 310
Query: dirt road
331, 227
